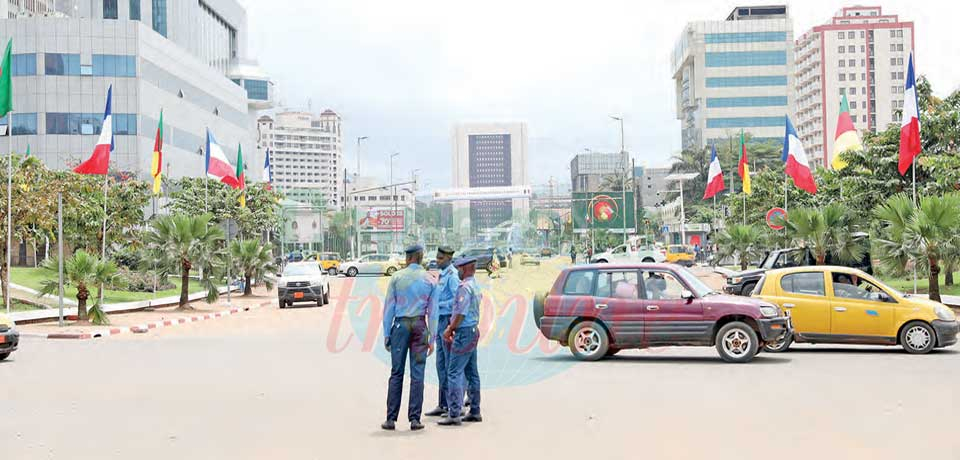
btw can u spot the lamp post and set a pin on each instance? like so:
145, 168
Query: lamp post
394, 196
681, 177
359, 139
623, 182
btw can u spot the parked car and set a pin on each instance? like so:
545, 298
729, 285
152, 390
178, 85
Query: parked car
9, 337
598, 310
680, 254
743, 283
303, 282
371, 264
830, 304
484, 256
528, 256
328, 261
646, 254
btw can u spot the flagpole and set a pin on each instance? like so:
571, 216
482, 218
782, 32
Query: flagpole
916, 205
103, 244
60, 256
9, 205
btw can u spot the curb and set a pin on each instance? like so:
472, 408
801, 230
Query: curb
142, 328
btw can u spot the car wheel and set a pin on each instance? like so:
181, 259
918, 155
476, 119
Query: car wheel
779, 346
737, 342
4, 356
748, 289
326, 296
539, 299
917, 338
588, 341
601, 261
352, 271
332, 271
282, 303
391, 270
647, 260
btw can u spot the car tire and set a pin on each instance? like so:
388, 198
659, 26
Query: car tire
647, 260
326, 296
391, 271
283, 304
748, 289
539, 299
780, 346
737, 342
588, 341
601, 261
918, 338
332, 271
352, 271
4, 356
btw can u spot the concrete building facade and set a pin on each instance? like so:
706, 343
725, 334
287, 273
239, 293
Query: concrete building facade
735, 74
306, 153
185, 57
589, 170
652, 185
861, 53
489, 155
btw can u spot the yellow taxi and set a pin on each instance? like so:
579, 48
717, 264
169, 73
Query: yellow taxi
845, 305
680, 254
9, 337
329, 261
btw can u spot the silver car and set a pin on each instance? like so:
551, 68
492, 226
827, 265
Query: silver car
371, 264
303, 282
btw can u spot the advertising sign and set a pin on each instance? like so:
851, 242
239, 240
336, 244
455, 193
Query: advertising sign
603, 210
382, 220
482, 193
775, 216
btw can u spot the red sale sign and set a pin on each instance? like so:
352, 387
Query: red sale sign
382, 220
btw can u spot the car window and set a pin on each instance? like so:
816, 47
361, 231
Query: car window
853, 287
618, 284
618, 250
301, 269
579, 282
662, 285
809, 283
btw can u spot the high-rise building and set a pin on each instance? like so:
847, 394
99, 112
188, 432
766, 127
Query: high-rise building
861, 53
489, 155
735, 74
185, 57
28, 8
652, 185
588, 171
306, 155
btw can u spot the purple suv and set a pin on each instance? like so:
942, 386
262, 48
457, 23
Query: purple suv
598, 310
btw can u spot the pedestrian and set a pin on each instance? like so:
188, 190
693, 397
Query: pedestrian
406, 332
573, 254
441, 303
493, 267
463, 336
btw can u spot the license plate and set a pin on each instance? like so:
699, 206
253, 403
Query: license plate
297, 295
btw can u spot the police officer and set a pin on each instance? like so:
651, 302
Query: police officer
462, 335
406, 332
441, 305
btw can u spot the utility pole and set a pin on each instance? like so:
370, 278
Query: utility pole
623, 181
359, 139
393, 189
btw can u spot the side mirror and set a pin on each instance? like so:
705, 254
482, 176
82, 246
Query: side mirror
686, 294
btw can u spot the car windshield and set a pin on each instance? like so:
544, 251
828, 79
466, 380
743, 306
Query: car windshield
699, 288
301, 269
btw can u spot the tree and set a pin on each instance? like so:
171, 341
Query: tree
194, 196
83, 271
253, 261
924, 235
827, 230
182, 243
741, 240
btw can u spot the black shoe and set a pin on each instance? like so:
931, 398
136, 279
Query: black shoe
438, 412
448, 421
466, 402
388, 425
473, 418
415, 425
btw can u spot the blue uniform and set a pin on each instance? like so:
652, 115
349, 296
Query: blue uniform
462, 360
442, 305
405, 331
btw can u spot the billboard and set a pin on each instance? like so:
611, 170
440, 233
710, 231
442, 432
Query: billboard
603, 211
382, 220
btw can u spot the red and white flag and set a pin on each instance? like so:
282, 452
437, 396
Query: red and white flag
715, 183
910, 125
217, 165
797, 165
99, 162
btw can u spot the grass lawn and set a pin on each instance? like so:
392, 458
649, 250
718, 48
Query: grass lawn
20, 306
34, 277
906, 284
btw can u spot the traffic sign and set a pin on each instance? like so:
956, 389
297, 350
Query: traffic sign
775, 215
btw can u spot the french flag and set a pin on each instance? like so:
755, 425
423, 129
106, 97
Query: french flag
797, 165
99, 162
910, 125
715, 183
217, 165
267, 174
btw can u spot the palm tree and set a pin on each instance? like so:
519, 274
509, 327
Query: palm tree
924, 234
184, 243
253, 261
827, 230
83, 271
742, 240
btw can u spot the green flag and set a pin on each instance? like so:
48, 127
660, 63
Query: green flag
28, 152
6, 84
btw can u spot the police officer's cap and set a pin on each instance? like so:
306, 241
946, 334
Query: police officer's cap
464, 261
414, 249
445, 250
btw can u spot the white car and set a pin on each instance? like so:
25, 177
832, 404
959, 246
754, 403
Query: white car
303, 282
646, 254
371, 264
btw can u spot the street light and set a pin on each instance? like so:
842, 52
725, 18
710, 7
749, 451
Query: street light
623, 182
683, 217
413, 193
359, 139
394, 189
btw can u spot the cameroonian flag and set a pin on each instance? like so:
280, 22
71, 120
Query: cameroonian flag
743, 167
27, 155
6, 83
240, 178
847, 138
156, 167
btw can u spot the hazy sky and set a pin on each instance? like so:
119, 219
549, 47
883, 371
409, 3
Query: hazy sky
402, 72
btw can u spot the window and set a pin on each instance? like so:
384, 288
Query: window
135, 10
893, 33
843, 91
853, 287
863, 76
852, 63
853, 104
842, 63
851, 49
840, 35
728, 82
745, 37
89, 123
159, 20
863, 48
579, 282
661, 285
841, 49
23, 123
757, 101
893, 47
23, 64
842, 77
851, 34
618, 285
861, 34
109, 65
110, 9
803, 283
61, 64
852, 77
745, 58
745, 122
256, 89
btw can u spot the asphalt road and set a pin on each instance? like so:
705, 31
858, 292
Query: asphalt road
301, 384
